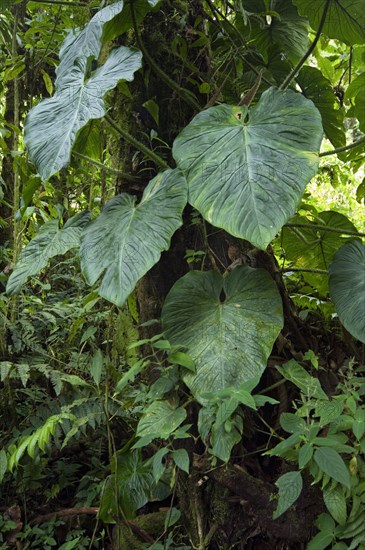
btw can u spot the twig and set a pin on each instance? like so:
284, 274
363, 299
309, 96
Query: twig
300, 64
319, 227
114, 171
305, 270
137, 144
360, 141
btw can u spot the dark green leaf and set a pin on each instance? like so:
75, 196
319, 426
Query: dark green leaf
331, 463
290, 486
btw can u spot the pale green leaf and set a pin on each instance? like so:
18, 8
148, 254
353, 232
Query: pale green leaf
160, 420
127, 239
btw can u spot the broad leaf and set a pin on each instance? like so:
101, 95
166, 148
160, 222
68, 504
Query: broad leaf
356, 91
290, 486
347, 287
315, 249
49, 242
52, 125
296, 374
160, 419
248, 167
319, 89
223, 440
331, 463
127, 239
335, 502
345, 19
229, 337
287, 29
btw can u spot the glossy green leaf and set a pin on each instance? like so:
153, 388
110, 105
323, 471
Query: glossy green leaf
248, 167
290, 486
49, 242
227, 324
319, 89
345, 19
347, 287
127, 239
331, 463
160, 419
335, 502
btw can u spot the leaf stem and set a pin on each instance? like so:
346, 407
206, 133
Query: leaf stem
137, 144
114, 171
305, 270
182, 92
345, 148
319, 227
59, 3
301, 62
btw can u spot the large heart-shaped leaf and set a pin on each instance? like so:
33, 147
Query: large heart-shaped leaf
52, 125
127, 239
248, 167
345, 19
319, 89
287, 29
347, 287
311, 248
227, 324
49, 242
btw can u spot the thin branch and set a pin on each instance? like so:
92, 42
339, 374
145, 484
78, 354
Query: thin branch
59, 3
360, 141
319, 227
300, 64
114, 171
182, 92
305, 270
137, 144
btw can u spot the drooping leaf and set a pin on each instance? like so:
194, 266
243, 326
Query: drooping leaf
286, 29
319, 89
335, 502
127, 239
230, 337
296, 374
315, 249
347, 287
181, 459
248, 167
160, 419
49, 242
331, 463
345, 19
223, 440
51, 126
290, 486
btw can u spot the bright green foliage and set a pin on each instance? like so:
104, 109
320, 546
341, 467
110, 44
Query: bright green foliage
51, 241
120, 243
247, 167
218, 319
347, 286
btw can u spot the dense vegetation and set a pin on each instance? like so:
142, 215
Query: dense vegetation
182, 307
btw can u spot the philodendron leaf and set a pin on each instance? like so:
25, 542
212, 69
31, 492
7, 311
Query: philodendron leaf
49, 242
345, 19
160, 419
248, 167
347, 287
51, 126
127, 239
227, 324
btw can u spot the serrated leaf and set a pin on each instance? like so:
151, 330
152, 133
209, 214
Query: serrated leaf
304, 455
329, 410
251, 186
290, 486
335, 502
50, 241
331, 463
347, 287
320, 541
292, 423
229, 339
120, 244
